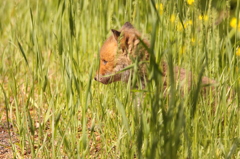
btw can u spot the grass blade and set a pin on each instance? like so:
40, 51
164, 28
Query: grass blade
23, 53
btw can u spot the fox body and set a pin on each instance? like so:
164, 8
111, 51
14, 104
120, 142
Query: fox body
118, 52
121, 49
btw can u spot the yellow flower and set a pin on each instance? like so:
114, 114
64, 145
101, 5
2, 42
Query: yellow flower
160, 8
179, 26
238, 51
193, 40
186, 24
203, 17
234, 23
190, 2
172, 18
189, 22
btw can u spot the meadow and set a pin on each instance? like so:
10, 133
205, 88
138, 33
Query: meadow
51, 107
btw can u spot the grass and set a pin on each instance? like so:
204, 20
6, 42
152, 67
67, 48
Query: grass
49, 55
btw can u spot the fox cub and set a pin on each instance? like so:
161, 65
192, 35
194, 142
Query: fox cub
118, 52
121, 49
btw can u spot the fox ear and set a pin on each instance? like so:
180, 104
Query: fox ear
127, 25
116, 33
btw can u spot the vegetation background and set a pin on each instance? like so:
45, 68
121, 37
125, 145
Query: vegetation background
50, 107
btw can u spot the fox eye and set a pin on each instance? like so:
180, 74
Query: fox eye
104, 62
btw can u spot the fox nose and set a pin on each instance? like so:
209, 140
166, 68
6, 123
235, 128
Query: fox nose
97, 78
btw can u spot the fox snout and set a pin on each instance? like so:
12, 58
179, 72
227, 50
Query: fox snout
102, 79
107, 79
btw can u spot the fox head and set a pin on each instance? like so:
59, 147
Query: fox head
118, 52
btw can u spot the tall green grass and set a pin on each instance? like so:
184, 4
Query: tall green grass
49, 56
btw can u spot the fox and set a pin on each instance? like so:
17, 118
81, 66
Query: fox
118, 52
121, 49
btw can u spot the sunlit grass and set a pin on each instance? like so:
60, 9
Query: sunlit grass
49, 56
